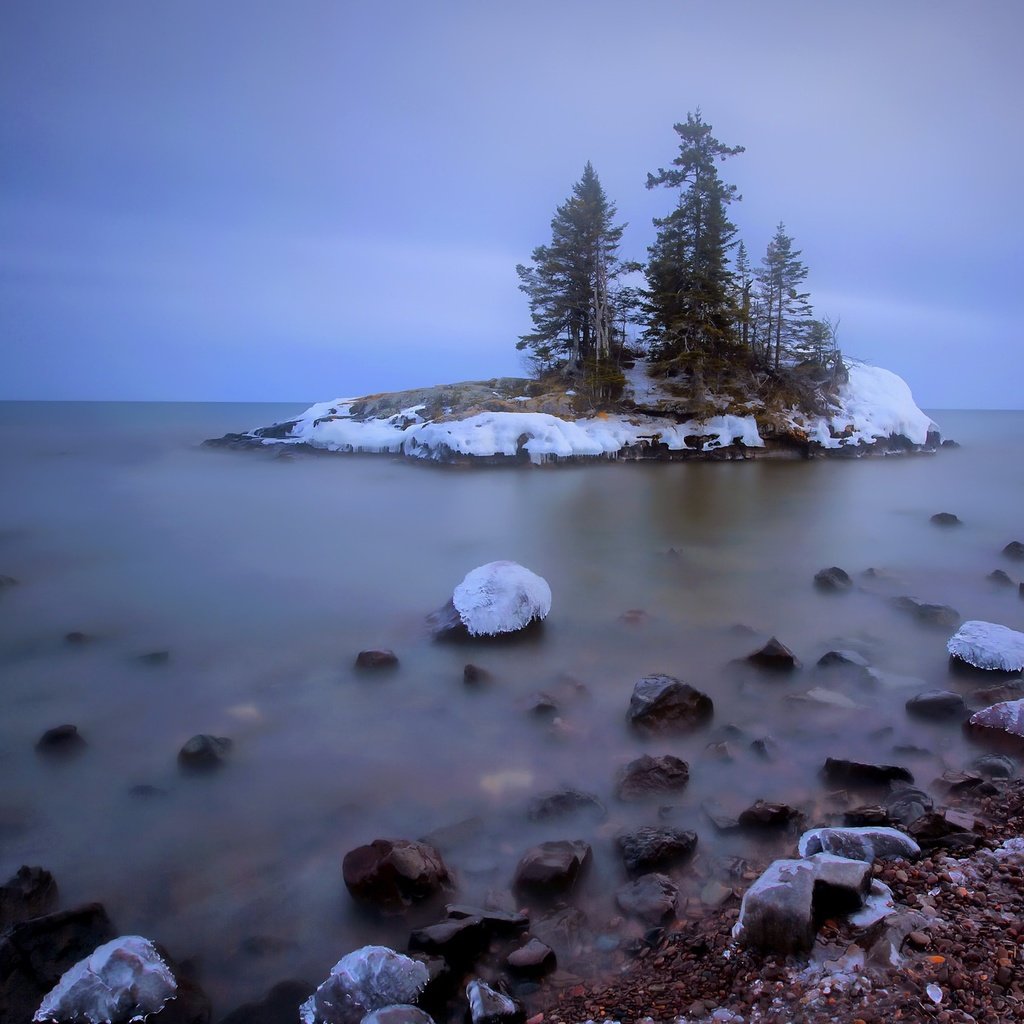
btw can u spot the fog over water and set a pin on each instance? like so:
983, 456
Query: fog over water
264, 576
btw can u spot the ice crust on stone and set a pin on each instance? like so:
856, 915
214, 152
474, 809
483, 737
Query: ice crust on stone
988, 645
364, 980
1007, 716
867, 842
122, 980
501, 597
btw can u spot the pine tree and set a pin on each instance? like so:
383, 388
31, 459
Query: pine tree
744, 282
691, 304
569, 283
787, 310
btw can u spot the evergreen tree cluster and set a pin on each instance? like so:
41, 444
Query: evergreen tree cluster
703, 300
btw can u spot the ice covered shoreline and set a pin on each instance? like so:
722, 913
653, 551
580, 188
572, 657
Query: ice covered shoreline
873, 412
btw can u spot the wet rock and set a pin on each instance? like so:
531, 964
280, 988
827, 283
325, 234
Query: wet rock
775, 656
279, 1006
940, 616
473, 675
533, 960
365, 980
866, 844
497, 922
843, 659
933, 831
856, 773
551, 868
1004, 719
988, 645
494, 599
391, 874
564, 930
833, 579
203, 753
825, 698
31, 892
1014, 550
459, 940
1000, 578
489, 1006
7, 581
566, 803
61, 741
648, 777
398, 1014
651, 898
761, 816
155, 657
766, 748
938, 705
946, 519
541, 705
663, 704
1011, 689
995, 766
866, 815
125, 979
451, 837
76, 638
721, 817
649, 848
374, 660
884, 941
905, 804
963, 782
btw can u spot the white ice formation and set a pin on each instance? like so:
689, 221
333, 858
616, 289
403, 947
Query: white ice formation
501, 597
988, 645
1007, 716
120, 981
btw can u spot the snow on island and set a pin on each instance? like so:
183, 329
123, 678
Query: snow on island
873, 407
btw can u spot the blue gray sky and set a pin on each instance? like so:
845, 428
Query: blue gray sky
263, 201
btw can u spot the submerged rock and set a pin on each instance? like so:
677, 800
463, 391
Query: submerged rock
123, 980
61, 741
857, 773
762, 815
775, 656
995, 766
663, 704
650, 898
566, 803
493, 599
843, 659
1014, 550
648, 776
941, 616
551, 868
946, 519
533, 960
988, 645
905, 804
377, 659
31, 892
936, 704
460, 940
204, 753
1000, 578
391, 874
833, 579
649, 847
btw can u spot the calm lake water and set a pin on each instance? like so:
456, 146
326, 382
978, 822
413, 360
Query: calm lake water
263, 577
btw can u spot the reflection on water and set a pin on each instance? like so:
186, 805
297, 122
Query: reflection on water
264, 576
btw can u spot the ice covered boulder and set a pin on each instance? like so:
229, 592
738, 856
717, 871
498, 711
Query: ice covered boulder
400, 1014
867, 843
988, 645
365, 980
1006, 717
123, 980
493, 599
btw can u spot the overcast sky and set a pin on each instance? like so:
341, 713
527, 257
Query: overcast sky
268, 201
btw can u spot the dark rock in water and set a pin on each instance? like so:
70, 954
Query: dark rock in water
542, 705
61, 741
775, 656
905, 804
965, 782
856, 773
769, 816
565, 803
995, 766
533, 960
1012, 689
279, 1006
652, 777
721, 817
203, 753
833, 579
945, 519
940, 705
551, 868
498, 922
564, 929
949, 443
452, 836
843, 659
391, 874
155, 658
664, 704
941, 616
1000, 578
459, 940
78, 639
1014, 550
766, 748
35, 953
447, 624
146, 791
376, 659
474, 674
866, 815
933, 831
635, 617
489, 1006
650, 898
399, 1013
31, 892
649, 848
7, 581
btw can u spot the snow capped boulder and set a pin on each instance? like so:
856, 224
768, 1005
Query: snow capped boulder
123, 980
1005, 717
365, 980
493, 599
988, 645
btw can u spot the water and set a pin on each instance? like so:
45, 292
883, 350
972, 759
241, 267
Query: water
263, 577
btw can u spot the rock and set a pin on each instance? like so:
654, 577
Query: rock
938, 705
941, 616
766, 748
933, 830
496, 921
648, 848
31, 892
204, 753
7, 581
905, 804
564, 929
825, 698
856, 773
566, 803
489, 1006
155, 658
125, 979
664, 704
391, 874
651, 898
1014, 550
533, 960
459, 940
497, 598
1010, 689
398, 1014
949, 443
552, 867
946, 519
843, 659
867, 844
375, 660
1000, 578
878, 905
995, 766
648, 777
833, 579
365, 980
542, 705
279, 1006
61, 741
987, 645
76, 638
472, 675
886, 939
866, 815
1005, 718
721, 817
762, 815
775, 656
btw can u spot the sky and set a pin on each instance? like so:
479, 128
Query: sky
256, 201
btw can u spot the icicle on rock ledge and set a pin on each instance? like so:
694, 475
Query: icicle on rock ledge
497, 422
